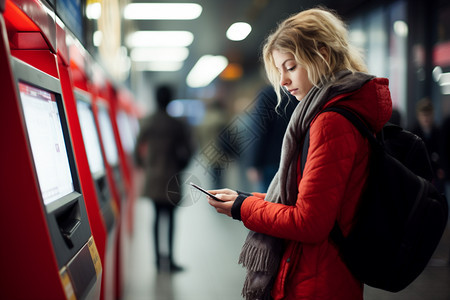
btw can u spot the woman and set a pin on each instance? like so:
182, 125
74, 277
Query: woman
288, 253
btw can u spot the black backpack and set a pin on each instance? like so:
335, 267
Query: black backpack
401, 216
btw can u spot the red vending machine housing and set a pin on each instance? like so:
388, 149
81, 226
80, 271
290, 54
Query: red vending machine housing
122, 109
49, 250
127, 118
125, 163
102, 209
114, 164
102, 113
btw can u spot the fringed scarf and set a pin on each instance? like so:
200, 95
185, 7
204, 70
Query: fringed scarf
261, 254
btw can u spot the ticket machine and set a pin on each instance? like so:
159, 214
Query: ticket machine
113, 102
101, 206
96, 164
108, 206
123, 113
125, 125
49, 251
127, 114
109, 143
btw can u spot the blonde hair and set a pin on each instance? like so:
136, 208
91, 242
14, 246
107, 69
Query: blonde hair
305, 35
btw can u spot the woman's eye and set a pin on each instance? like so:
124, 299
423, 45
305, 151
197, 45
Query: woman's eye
292, 68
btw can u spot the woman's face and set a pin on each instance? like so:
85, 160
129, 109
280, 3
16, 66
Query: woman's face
294, 78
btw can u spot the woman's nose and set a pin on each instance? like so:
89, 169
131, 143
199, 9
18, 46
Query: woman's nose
284, 80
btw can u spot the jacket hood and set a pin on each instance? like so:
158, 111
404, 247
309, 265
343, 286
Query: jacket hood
372, 102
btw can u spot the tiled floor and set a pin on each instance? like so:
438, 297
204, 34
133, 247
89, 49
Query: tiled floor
208, 245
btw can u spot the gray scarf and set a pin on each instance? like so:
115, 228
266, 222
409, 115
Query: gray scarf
261, 254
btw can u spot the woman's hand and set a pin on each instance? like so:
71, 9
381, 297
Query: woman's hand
226, 195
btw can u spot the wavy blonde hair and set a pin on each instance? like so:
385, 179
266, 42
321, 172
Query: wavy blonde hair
305, 35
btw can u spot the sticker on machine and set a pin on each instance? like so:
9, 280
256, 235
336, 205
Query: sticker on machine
67, 284
95, 257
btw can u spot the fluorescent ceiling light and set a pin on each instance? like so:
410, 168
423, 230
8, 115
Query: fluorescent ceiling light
159, 54
162, 11
159, 39
97, 38
205, 70
158, 66
94, 10
239, 31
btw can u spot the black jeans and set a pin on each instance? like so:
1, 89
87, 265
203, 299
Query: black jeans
161, 210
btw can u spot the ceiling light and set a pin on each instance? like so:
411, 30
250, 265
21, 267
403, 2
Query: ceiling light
205, 70
93, 10
97, 38
162, 11
401, 28
159, 39
239, 31
158, 66
159, 54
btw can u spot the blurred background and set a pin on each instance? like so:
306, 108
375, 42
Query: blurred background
406, 41
209, 53
216, 74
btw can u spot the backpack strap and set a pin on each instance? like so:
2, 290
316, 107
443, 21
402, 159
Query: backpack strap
362, 127
304, 151
349, 115
336, 234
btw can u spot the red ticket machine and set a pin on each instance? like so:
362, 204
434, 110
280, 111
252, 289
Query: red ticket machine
127, 114
105, 126
49, 250
122, 112
102, 210
124, 159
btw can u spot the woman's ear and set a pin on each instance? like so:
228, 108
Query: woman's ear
324, 52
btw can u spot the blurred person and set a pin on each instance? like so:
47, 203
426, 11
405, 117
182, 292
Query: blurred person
288, 253
430, 133
263, 157
215, 121
163, 149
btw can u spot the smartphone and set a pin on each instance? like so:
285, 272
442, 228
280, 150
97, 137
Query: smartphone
206, 192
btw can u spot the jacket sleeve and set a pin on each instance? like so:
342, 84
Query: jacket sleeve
334, 144
236, 208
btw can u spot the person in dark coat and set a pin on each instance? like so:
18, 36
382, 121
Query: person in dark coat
270, 126
163, 149
430, 133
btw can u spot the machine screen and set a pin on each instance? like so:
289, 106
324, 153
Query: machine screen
126, 132
90, 137
46, 137
108, 139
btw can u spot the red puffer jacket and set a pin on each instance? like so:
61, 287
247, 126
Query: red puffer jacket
334, 176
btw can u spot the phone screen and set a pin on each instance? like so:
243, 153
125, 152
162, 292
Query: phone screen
206, 192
